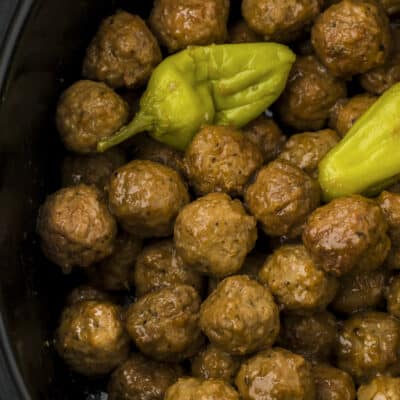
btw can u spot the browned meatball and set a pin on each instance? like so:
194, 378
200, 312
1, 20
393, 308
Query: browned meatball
214, 234
93, 169
199, 389
221, 159
240, 32
360, 291
279, 20
113, 272
91, 337
281, 198
159, 265
75, 227
333, 384
310, 93
180, 23
88, 112
123, 53
240, 316
296, 283
306, 150
380, 388
390, 205
313, 336
164, 323
368, 344
267, 136
140, 378
213, 362
276, 374
346, 234
86, 292
146, 197
345, 113
393, 297
352, 37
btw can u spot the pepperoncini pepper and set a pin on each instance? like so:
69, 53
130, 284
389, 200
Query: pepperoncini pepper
368, 159
219, 84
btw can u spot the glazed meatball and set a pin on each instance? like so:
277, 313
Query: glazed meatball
332, 383
113, 272
352, 37
310, 93
240, 316
164, 323
279, 20
267, 136
86, 292
199, 389
368, 344
241, 33
393, 297
142, 379
159, 265
313, 336
276, 374
93, 169
347, 234
281, 198
75, 227
346, 112
91, 337
146, 197
123, 53
380, 388
306, 150
221, 159
294, 280
213, 362
360, 291
181, 23
214, 234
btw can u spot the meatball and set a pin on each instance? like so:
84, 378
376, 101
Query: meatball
221, 159
213, 362
346, 112
393, 297
332, 383
113, 272
276, 374
123, 53
281, 198
142, 379
93, 169
146, 197
347, 234
91, 337
159, 265
313, 336
214, 234
199, 389
360, 291
164, 323
368, 344
240, 316
380, 388
296, 283
267, 136
88, 112
75, 227
181, 23
84, 293
310, 94
352, 37
240, 32
279, 20
306, 150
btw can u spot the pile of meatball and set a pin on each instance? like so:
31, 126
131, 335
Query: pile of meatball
245, 285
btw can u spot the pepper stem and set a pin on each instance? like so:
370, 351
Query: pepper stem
140, 123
